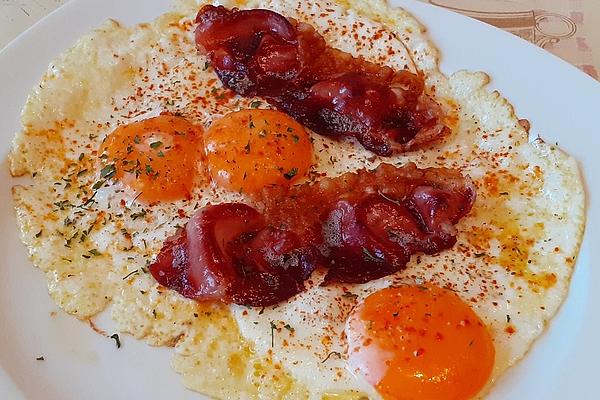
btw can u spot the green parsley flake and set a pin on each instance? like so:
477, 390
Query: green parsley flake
137, 215
291, 173
108, 172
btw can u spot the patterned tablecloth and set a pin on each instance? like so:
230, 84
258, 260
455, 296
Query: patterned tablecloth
568, 28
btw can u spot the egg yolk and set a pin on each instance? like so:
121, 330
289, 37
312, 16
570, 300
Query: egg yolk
157, 157
249, 149
420, 342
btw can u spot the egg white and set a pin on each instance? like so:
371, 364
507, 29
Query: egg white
530, 197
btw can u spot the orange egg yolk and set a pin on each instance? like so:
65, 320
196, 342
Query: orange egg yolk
420, 342
250, 149
157, 157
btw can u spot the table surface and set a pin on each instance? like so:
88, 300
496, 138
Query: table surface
568, 28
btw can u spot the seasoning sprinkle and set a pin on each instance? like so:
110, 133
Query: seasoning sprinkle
115, 337
349, 295
108, 172
333, 353
291, 173
273, 327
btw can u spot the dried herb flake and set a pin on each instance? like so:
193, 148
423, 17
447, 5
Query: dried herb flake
108, 172
291, 173
117, 340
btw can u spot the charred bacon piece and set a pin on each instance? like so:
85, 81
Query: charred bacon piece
261, 53
359, 226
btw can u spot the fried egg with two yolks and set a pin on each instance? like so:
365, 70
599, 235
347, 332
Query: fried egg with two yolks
249, 149
112, 179
163, 158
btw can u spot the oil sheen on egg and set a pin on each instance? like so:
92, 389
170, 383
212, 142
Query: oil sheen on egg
93, 239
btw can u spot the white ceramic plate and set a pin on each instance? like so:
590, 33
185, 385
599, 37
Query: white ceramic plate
562, 103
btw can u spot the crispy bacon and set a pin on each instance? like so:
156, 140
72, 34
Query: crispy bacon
261, 53
227, 253
360, 226
369, 223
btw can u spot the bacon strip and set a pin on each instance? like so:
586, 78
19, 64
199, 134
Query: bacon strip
369, 223
360, 226
226, 252
261, 53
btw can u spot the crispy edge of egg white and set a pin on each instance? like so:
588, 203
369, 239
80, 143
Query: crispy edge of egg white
549, 209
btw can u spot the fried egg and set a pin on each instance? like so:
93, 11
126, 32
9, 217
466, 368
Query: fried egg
145, 96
